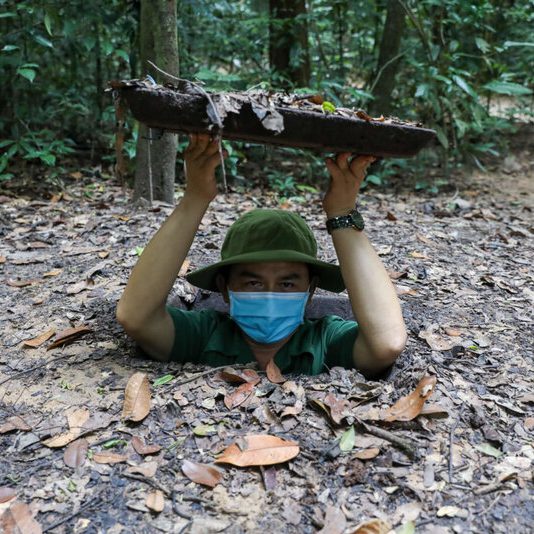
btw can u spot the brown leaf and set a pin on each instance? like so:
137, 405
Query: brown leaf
436, 341
205, 474
6, 494
239, 395
259, 449
68, 336
109, 458
76, 453
334, 521
17, 519
40, 339
147, 469
239, 376
434, 410
15, 423
142, 449
410, 406
273, 373
373, 526
339, 408
367, 454
76, 419
155, 501
2, 259
136, 398
20, 283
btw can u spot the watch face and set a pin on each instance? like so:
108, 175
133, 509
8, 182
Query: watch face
357, 219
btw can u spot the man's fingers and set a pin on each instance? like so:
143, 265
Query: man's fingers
333, 168
360, 163
342, 161
213, 147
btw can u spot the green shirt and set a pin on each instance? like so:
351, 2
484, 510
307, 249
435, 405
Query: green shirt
213, 338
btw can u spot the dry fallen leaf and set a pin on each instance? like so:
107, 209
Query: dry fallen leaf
18, 519
7, 494
273, 373
136, 398
76, 453
339, 408
155, 501
21, 283
373, 526
205, 474
335, 521
40, 339
259, 449
68, 336
239, 395
142, 449
239, 376
76, 419
147, 469
367, 454
436, 341
15, 423
109, 458
410, 406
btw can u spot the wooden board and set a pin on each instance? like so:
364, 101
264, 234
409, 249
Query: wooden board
168, 109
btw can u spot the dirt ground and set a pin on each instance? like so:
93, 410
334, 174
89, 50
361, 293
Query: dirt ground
462, 264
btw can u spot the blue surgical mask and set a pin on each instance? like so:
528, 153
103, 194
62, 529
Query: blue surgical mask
267, 317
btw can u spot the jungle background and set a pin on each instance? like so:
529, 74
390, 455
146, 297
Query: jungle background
452, 225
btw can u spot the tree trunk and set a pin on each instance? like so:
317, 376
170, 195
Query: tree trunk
388, 60
289, 53
156, 151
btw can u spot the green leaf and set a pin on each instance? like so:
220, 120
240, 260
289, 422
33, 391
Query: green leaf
10, 48
348, 440
507, 88
72, 487
48, 23
328, 107
6, 142
204, 430
29, 74
163, 380
462, 84
43, 41
482, 44
373, 179
49, 159
406, 528
488, 449
123, 54
114, 443
8, 14
139, 250
509, 44
442, 137
422, 90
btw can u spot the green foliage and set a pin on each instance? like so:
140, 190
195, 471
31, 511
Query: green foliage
457, 58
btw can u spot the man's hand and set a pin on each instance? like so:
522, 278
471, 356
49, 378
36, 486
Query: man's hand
345, 181
201, 159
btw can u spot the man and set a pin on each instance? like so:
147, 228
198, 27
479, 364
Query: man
268, 273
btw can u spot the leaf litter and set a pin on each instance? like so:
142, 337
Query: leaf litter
466, 304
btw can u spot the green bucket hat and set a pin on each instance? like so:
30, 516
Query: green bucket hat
263, 235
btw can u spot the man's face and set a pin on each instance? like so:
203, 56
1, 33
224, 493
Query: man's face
279, 276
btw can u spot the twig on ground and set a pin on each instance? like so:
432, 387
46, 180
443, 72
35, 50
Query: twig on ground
451, 441
204, 373
82, 508
218, 120
392, 438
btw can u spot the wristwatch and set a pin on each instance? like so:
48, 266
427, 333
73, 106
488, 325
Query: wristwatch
352, 220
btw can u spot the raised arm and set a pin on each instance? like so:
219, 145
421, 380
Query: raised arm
382, 334
141, 309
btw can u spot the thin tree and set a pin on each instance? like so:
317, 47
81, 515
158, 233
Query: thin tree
156, 150
289, 53
389, 57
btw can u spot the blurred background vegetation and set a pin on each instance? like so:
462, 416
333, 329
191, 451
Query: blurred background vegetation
442, 62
